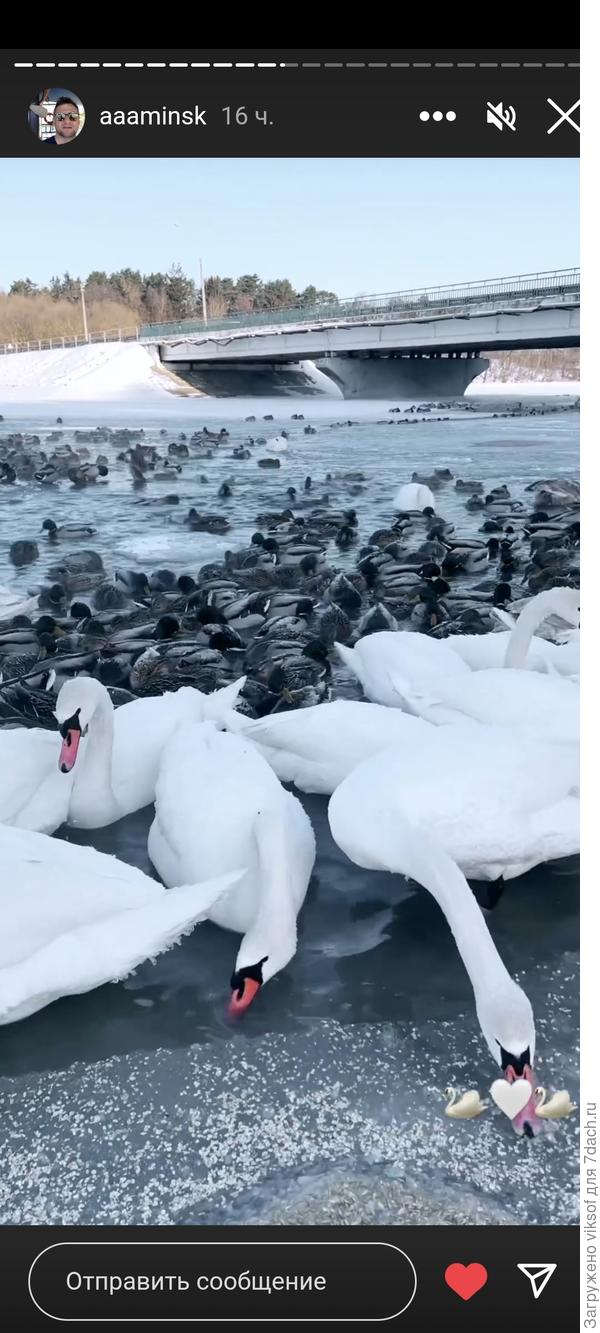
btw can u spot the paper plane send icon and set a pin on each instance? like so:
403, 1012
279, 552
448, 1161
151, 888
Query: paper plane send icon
539, 1275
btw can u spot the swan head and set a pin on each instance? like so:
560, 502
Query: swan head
253, 968
76, 704
506, 1020
245, 985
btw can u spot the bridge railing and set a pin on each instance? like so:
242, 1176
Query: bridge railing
130, 334
300, 321
409, 304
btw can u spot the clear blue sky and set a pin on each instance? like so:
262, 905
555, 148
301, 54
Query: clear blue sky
350, 225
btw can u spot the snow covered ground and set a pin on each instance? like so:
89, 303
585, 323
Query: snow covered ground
98, 371
522, 388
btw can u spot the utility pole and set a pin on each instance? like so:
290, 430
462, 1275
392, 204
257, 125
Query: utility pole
204, 315
85, 323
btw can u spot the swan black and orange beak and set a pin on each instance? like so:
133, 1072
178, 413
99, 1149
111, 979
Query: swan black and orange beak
245, 985
71, 734
242, 997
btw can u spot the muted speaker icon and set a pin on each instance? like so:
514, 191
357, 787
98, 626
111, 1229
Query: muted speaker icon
501, 116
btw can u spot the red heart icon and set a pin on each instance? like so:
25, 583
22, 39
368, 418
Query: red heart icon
466, 1279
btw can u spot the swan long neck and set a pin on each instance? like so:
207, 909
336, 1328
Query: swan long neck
273, 931
93, 775
531, 617
276, 880
426, 862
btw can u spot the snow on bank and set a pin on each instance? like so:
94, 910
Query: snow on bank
91, 373
522, 388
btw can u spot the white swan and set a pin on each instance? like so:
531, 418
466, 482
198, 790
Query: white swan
414, 495
389, 842
73, 919
119, 761
390, 662
219, 806
107, 764
498, 807
518, 647
316, 748
546, 706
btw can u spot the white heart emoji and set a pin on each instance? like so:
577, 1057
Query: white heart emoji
511, 1097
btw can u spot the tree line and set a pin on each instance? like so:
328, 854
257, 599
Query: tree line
128, 297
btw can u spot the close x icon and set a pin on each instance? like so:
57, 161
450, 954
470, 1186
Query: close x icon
564, 117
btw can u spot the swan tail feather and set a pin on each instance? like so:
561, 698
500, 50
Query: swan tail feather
221, 702
106, 950
503, 616
401, 686
238, 723
346, 655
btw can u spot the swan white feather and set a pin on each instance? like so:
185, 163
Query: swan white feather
73, 919
218, 804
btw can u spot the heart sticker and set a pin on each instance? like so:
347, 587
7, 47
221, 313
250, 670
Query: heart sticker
511, 1097
466, 1279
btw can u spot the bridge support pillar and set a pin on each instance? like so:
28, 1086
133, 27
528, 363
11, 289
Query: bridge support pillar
425, 377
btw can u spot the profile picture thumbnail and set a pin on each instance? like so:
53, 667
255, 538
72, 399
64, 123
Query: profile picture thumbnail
56, 116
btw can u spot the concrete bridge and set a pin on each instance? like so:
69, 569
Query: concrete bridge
425, 343
422, 343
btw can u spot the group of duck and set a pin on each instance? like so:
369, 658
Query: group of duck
135, 685
274, 608
23, 458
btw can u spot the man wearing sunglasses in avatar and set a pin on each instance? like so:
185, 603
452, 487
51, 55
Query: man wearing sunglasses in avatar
65, 119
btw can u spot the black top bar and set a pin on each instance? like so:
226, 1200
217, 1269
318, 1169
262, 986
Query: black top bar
284, 102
